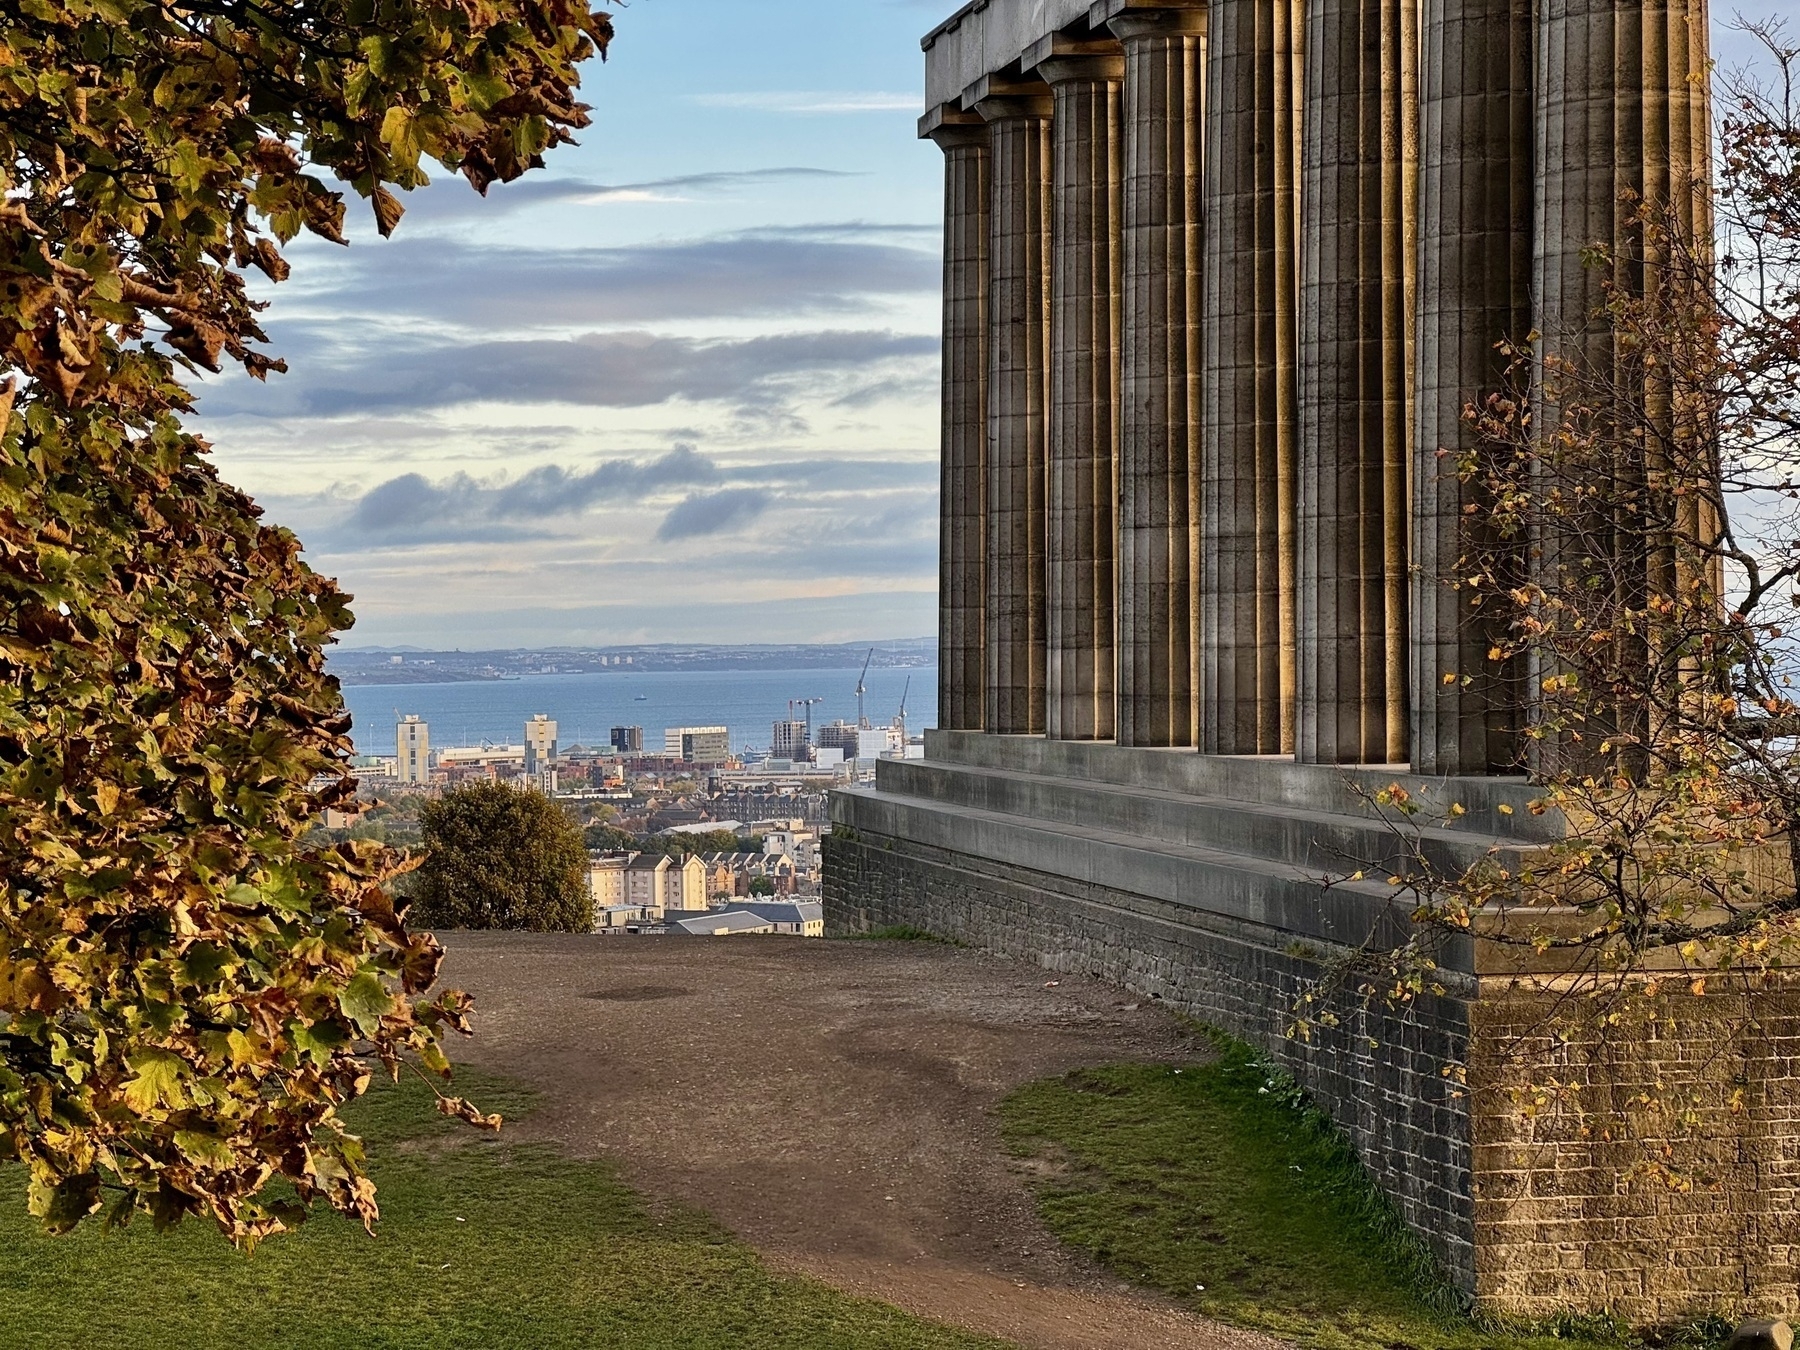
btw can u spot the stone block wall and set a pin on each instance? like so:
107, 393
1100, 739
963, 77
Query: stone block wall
1653, 1169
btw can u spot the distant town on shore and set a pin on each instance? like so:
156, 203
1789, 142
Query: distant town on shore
414, 665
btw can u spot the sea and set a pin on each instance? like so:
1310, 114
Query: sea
587, 707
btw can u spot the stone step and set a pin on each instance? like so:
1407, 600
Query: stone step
1274, 903
1328, 842
1496, 806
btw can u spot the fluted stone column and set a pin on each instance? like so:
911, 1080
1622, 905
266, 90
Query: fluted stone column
1249, 423
1621, 107
1474, 291
1360, 196
1165, 105
1086, 80
1018, 405
962, 522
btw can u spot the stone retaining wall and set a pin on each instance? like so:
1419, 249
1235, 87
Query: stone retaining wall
1649, 1166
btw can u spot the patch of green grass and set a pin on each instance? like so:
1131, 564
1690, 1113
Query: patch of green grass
903, 932
1220, 1186
483, 1243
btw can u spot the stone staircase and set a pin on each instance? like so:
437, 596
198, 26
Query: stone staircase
1250, 841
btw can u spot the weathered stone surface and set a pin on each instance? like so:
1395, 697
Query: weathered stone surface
1249, 414
1379, 1076
1018, 407
1086, 295
1279, 405
1668, 1184
1762, 1336
962, 515
1195, 879
974, 42
1159, 421
1621, 120
1475, 201
1360, 172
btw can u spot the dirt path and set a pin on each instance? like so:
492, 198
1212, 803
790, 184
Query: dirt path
831, 1102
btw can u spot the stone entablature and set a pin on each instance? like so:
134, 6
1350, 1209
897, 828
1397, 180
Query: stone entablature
988, 36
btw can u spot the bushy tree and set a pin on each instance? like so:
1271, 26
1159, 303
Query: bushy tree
189, 989
604, 838
689, 842
502, 857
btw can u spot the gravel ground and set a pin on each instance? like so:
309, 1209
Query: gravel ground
832, 1103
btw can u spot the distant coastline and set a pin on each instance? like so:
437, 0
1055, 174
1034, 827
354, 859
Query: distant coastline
587, 706
401, 666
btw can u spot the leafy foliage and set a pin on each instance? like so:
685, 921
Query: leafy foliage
189, 989
685, 845
604, 838
500, 857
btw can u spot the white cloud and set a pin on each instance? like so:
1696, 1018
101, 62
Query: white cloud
812, 101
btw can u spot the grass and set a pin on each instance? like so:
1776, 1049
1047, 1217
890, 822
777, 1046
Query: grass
1219, 1185
483, 1243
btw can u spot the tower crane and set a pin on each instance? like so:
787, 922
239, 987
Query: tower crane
862, 718
900, 717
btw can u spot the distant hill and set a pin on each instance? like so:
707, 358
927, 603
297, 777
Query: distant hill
411, 665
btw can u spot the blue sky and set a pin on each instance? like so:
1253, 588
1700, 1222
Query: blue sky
680, 385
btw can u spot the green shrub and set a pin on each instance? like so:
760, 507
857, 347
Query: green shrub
499, 857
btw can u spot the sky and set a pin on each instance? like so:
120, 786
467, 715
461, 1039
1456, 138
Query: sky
679, 385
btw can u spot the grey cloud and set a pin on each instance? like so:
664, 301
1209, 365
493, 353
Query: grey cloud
413, 509
920, 389
611, 370
452, 197
849, 229
734, 276
878, 511
714, 513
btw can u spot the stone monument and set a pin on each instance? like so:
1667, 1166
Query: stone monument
1219, 279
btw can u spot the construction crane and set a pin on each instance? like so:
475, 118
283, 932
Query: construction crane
862, 719
900, 717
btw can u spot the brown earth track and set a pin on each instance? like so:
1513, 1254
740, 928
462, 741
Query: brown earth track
832, 1103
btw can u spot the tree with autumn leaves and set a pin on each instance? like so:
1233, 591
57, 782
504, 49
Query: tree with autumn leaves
190, 989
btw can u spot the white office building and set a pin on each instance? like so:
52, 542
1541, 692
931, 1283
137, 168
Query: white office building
540, 744
412, 742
